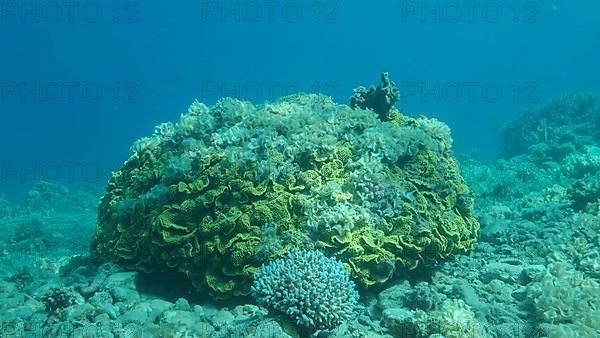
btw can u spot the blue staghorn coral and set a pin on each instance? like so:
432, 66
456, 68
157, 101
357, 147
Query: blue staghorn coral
312, 289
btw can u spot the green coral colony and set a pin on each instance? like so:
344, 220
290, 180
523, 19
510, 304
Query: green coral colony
231, 187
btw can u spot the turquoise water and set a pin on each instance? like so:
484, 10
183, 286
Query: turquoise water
302, 169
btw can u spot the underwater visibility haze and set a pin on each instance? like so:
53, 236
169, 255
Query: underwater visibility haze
300, 169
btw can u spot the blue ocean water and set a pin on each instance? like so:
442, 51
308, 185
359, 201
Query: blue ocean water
172, 54
80, 82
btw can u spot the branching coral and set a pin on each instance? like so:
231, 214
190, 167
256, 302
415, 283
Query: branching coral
315, 291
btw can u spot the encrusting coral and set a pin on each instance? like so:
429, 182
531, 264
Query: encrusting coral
233, 186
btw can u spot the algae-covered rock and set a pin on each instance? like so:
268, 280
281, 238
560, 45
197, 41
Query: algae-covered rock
233, 186
585, 193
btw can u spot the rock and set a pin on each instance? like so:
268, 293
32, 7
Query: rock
520, 294
142, 331
422, 296
81, 312
183, 318
91, 330
103, 302
23, 312
157, 307
88, 288
248, 311
182, 304
203, 329
467, 293
198, 309
269, 329
160, 305
123, 279
394, 296
138, 315
101, 297
125, 295
8, 288
111, 310
220, 318
507, 273
530, 273
399, 322
184, 324
103, 317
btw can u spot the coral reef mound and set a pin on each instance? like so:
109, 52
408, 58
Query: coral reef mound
233, 186
565, 125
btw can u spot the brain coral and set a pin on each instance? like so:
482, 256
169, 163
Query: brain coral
312, 289
232, 186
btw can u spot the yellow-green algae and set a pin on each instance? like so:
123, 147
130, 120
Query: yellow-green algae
232, 186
